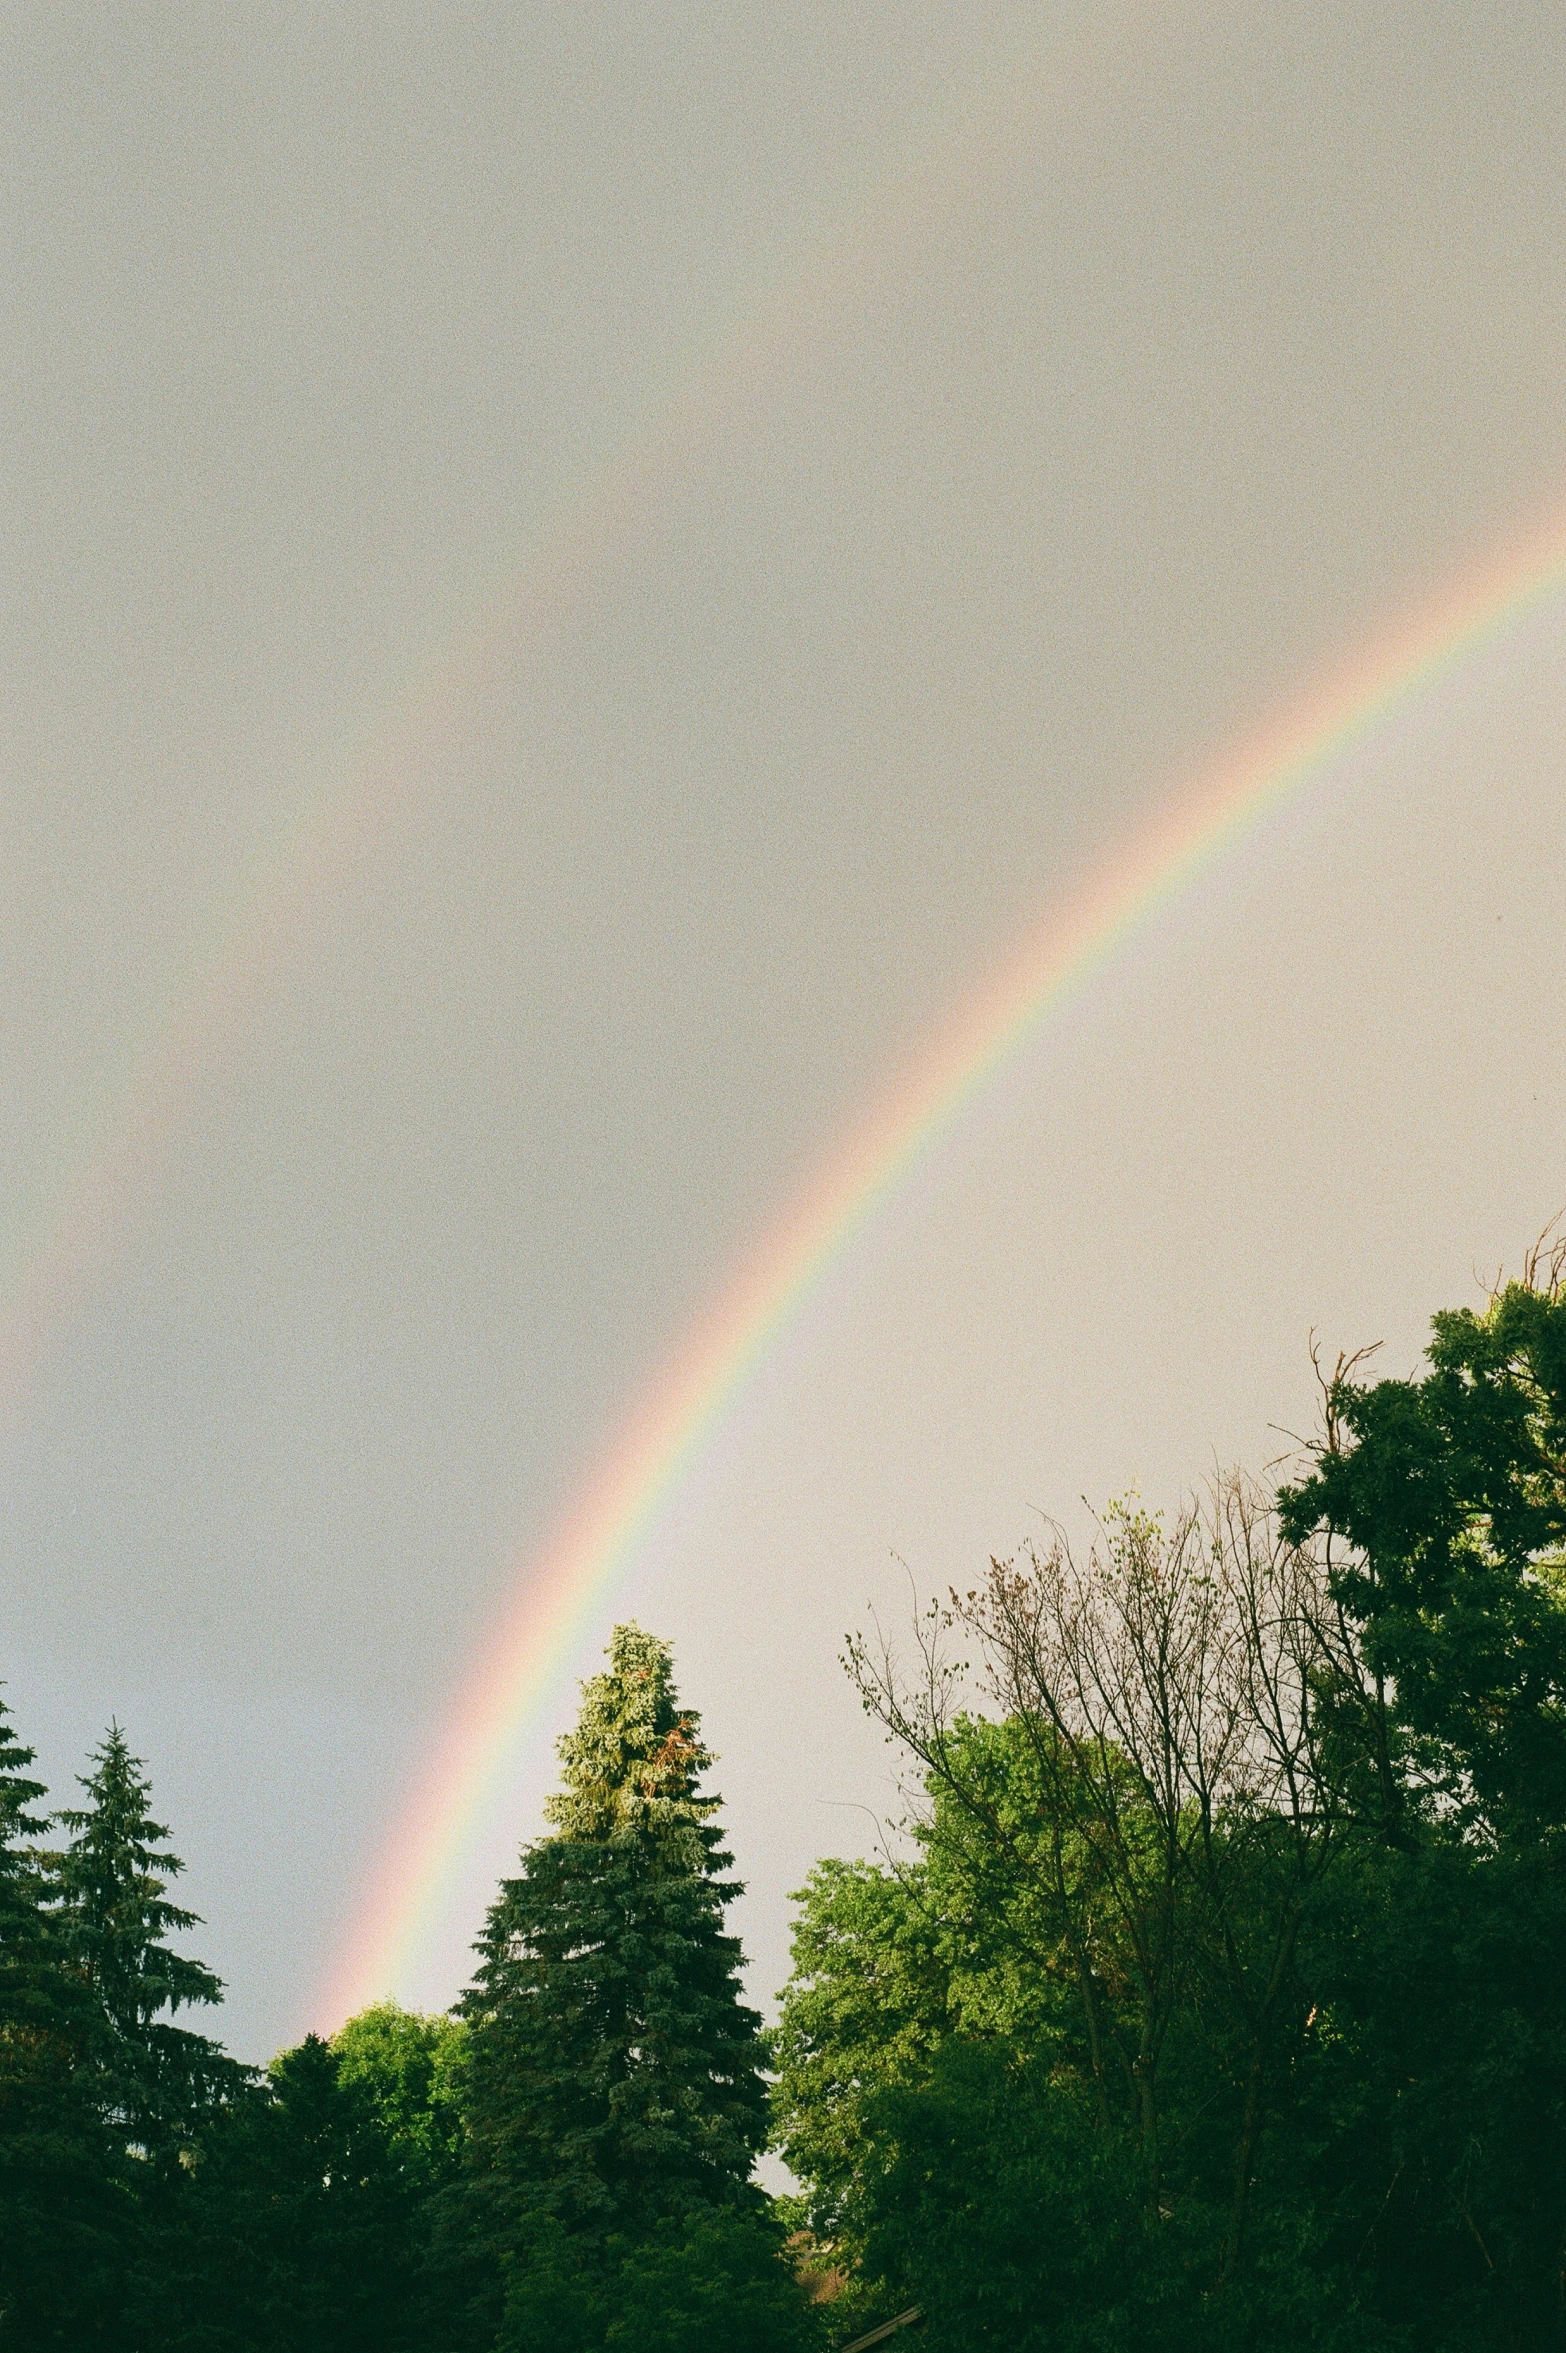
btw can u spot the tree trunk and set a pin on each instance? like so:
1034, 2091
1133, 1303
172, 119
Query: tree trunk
1244, 2166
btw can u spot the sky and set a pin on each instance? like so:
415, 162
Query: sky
575, 579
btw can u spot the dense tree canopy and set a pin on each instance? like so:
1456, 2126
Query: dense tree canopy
1212, 1997
1219, 2001
411, 2069
1442, 1502
298, 2230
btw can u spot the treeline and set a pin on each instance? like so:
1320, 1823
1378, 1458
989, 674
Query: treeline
1223, 2000
565, 2162
1214, 1995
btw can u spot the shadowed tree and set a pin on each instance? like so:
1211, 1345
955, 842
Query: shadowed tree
158, 2080
1159, 1804
297, 2231
62, 2220
1442, 1503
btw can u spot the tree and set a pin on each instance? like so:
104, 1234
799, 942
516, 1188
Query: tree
62, 2224
411, 2068
893, 1961
867, 2003
1427, 2119
898, 1967
1442, 1502
1432, 2122
615, 2090
296, 2232
718, 2282
110, 1885
995, 2202
1156, 1798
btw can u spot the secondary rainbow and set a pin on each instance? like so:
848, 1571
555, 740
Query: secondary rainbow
684, 1407
53, 1250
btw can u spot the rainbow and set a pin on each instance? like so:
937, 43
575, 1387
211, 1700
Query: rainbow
684, 1408
51, 1260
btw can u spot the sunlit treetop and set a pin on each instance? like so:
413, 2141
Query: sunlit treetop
1448, 1494
635, 1756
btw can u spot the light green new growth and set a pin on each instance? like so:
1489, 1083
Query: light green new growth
634, 1759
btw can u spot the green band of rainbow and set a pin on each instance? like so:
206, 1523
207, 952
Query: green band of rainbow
684, 1408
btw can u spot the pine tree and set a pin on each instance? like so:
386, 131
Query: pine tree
61, 2221
158, 2079
615, 2086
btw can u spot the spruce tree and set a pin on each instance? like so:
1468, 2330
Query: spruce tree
615, 2087
158, 2079
61, 2220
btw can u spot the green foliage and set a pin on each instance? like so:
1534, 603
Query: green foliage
867, 2003
999, 2204
1450, 1495
994, 2201
957, 2155
996, 1858
1288, 1818
156, 2080
1217, 2006
614, 2083
719, 2282
411, 2068
63, 2223
298, 2230
1429, 2112
635, 1756
964, 1939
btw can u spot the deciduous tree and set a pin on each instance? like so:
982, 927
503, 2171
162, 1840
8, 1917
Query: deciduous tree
1156, 1797
1442, 1503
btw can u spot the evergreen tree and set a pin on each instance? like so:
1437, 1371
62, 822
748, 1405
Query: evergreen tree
615, 2086
158, 2079
297, 2232
61, 2223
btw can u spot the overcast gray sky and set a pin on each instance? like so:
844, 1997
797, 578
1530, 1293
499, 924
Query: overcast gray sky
574, 576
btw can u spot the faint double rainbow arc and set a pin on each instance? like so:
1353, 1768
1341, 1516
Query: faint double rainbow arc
147, 1104
686, 1404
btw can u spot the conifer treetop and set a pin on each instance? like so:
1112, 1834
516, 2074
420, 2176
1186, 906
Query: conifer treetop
114, 1879
634, 1759
18, 1792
